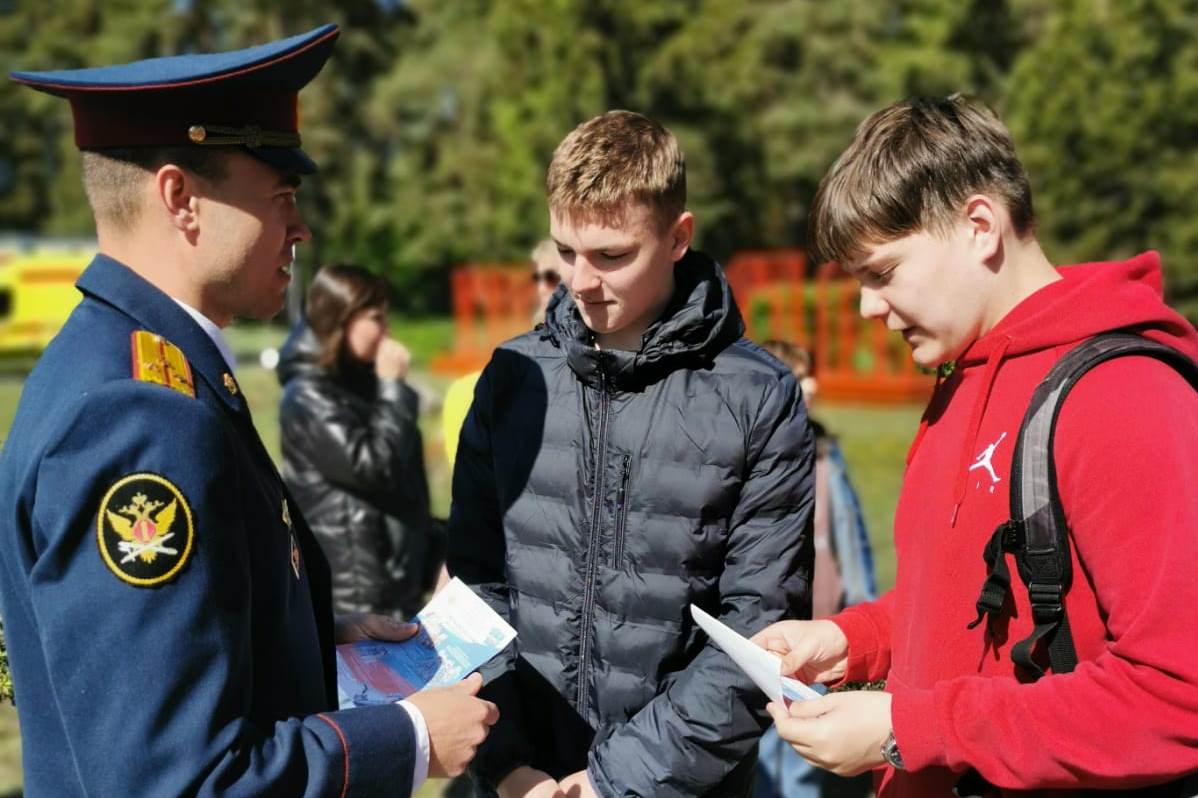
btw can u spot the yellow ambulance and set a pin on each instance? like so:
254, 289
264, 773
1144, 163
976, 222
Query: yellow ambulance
37, 292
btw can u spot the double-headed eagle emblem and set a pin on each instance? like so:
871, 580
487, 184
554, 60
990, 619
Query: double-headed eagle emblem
144, 535
145, 529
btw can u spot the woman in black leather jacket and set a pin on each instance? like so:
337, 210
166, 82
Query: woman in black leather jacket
352, 451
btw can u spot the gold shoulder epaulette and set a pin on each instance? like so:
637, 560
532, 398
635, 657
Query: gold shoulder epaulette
156, 359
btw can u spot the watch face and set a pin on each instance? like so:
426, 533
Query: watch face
890, 752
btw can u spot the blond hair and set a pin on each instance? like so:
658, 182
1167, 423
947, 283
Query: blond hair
909, 168
113, 178
544, 255
617, 158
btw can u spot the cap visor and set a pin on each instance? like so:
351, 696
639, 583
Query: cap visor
289, 160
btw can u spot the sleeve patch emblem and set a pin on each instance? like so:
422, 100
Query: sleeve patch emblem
145, 529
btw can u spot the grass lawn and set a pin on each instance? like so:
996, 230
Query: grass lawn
874, 439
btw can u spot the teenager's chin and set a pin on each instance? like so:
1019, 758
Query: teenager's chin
928, 357
600, 323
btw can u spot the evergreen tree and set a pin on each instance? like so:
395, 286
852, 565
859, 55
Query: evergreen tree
1104, 108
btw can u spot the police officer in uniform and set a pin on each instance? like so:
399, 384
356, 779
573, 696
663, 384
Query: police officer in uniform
167, 609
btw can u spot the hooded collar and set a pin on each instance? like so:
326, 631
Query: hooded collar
115, 284
299, 355
700, 321
1089, 299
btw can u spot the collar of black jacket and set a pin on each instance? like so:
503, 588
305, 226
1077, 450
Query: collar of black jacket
700, 321
114, 283
300, 358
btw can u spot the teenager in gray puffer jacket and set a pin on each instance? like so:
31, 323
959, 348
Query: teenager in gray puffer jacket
353, 454
597, 494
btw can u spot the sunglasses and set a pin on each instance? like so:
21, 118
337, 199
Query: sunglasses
549, 278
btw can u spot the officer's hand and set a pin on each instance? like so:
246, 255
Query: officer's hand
841, 732
367, 626
392, 360
526, 782
458, 721
811, 651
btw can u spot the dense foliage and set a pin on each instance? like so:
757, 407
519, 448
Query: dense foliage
435, 119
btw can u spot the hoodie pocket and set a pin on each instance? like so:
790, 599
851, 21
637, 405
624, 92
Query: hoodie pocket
621, 511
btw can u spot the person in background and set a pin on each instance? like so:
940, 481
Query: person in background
353, 456
461, 391
460, 394
844, 559
843, 575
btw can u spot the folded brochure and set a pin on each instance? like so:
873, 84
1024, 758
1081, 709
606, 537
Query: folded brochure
458, 633
763, 667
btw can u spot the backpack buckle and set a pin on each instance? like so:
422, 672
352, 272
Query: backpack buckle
1046, 602
1013, 536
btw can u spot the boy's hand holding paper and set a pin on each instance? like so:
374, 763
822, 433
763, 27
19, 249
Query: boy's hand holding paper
763, 667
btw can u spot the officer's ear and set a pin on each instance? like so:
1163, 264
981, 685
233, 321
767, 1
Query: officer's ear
177, 192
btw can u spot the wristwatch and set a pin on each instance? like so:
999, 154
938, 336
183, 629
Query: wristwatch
891, 753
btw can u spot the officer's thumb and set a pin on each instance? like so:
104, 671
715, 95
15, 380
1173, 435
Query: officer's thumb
472, 683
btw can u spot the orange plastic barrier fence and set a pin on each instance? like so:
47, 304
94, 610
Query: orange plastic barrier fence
491, 303
858, 360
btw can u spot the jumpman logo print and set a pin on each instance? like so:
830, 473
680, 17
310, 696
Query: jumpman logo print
984, 461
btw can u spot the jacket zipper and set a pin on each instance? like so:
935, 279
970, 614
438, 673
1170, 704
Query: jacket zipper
588, 596
622, 510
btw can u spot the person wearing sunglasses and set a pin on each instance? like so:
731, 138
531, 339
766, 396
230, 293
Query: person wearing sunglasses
544, 275
460, 394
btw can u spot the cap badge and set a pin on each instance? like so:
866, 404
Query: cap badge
251, 136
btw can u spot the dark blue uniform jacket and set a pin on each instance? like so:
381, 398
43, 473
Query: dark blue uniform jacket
168, 620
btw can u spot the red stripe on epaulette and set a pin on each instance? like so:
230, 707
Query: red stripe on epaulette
133, 354
197, 82
344, 750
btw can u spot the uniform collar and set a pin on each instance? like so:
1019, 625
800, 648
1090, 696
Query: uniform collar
212, 331
115, 284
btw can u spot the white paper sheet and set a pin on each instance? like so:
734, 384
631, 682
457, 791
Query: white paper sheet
764, 668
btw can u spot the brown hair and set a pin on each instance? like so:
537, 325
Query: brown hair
909, 169
615, 158
338, 291
112, 177
798, 359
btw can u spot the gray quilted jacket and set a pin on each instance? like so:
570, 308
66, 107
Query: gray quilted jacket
597, 494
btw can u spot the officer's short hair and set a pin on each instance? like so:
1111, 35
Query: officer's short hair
908, 169
113, 178
617, 158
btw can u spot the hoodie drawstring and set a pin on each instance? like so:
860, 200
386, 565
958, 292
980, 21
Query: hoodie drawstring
975, 423
923, 422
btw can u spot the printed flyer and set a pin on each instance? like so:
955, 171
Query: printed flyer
458, 633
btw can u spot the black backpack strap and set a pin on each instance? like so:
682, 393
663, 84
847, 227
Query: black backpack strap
1036, 532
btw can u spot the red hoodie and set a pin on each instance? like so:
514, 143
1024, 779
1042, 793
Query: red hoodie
1126, 453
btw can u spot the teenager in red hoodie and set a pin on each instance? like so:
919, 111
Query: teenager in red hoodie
931, 212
